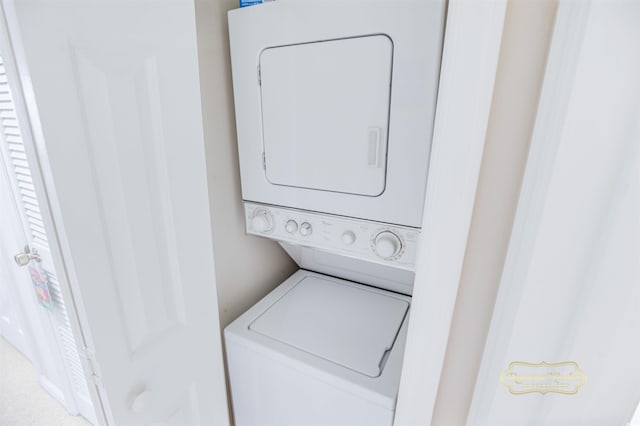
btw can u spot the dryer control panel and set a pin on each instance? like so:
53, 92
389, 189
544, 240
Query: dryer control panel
372, 241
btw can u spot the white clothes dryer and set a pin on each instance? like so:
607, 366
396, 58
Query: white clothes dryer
335, 104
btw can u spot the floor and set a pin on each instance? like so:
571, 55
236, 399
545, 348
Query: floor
22, 401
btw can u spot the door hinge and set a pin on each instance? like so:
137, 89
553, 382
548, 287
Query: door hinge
264, 161
90, 357
259, 76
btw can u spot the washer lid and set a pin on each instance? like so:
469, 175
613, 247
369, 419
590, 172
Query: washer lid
348, 324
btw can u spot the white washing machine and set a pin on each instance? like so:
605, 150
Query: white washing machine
335, 103
318, 350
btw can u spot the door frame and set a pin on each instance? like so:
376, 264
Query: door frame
27, 113
472, 42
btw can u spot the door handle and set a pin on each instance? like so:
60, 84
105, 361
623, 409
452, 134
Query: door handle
142, 401
26, 255
373, 159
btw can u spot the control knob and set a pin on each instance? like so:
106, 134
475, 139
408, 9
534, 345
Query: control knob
291, 226
262, 221
387, 244
348, 237
305, 229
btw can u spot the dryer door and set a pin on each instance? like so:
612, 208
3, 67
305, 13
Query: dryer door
325, 114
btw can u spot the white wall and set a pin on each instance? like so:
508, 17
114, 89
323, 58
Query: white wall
247, 267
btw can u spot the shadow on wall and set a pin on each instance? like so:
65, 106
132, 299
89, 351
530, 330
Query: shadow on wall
247, 267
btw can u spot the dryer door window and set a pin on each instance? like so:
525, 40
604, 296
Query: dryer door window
325, 114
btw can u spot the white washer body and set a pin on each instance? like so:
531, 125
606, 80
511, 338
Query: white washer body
318, 351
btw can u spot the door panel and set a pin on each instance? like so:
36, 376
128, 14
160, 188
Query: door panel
121, 139
120, 95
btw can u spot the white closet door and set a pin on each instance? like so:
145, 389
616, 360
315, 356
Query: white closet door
57, 360
114, 99
570, 289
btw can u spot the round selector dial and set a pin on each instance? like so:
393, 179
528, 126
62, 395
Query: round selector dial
262, 220
387, 244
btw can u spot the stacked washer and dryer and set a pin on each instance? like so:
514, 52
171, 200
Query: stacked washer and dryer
335, 105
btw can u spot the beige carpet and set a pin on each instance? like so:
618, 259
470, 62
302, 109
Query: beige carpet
22, 401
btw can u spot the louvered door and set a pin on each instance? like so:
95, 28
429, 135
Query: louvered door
57, 355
